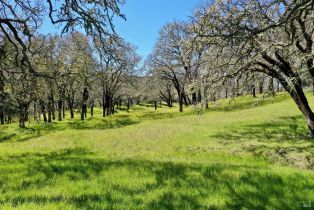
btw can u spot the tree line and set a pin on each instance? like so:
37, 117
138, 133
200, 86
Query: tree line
227, 48
75, 77
43, 74
234, 47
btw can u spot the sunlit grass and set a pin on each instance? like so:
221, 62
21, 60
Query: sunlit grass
248, 153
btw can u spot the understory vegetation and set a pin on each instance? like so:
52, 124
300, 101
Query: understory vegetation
217, 113
248, 153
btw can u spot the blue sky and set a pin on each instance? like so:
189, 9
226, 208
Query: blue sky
144, 20
146, 17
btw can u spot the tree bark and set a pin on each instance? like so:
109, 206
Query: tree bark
60, 107
194, 98
120, 102
261, 88
181, 96
71, 112
199, 96
187, 100
112, 106
128, 104
23, 114
84, 103
271, 86
49, 108
103, 103
9, 119
254, 92
2, 97
53, 107
302, 103
92, 108
1, 116
43, 110
63, 108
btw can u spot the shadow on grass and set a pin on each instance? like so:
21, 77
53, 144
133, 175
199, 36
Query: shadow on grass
102, 124
6, 136
23, 134
284, 140
247, 102
154, 116
121, 120
88, 124
173, 185
282, 129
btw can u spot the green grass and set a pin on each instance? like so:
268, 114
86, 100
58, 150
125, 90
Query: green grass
242, 154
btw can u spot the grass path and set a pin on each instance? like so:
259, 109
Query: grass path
257, 158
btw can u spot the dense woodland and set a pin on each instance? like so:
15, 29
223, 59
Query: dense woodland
225, 49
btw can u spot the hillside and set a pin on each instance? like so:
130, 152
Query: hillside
244, 153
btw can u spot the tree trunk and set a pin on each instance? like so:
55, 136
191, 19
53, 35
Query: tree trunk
253, 86
271, 86
112, 106
128, 104
120, 102
83, 111
261, 88
199, 97
2, 96
92, 108
302, 103
49, 108
187, 100
53, 107
71, 112
170, 103
63, 109
60, 109
297, 94
49, 116
23, 114
155, 103
84, 103
278, 86
43, 110
181, 96
71, 106
108, 104
180, 105
38, 116
9, 119
1, 116
35, 110
194, 98
103, 104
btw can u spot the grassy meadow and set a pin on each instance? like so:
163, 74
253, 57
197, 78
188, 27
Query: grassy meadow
240, 154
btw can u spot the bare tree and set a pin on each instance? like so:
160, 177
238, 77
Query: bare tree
114, 70
20, 20
176, 58
271, 37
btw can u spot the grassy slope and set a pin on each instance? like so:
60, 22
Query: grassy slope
257, 158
